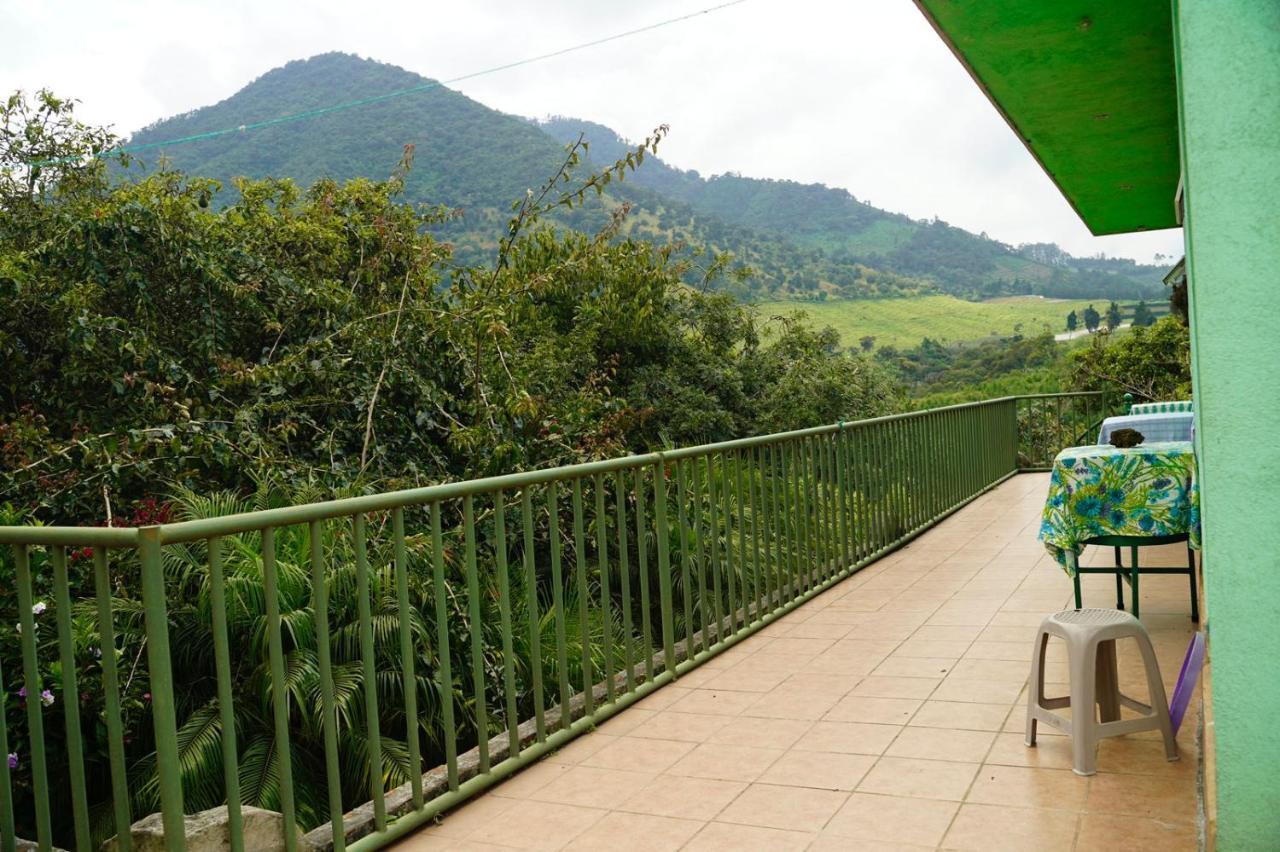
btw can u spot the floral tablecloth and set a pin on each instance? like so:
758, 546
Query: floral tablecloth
1148, 490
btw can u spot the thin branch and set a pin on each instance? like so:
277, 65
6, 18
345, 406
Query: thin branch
377, 386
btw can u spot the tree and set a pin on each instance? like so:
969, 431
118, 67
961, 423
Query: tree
1092, 319
1142, 316
1113, 316
1072, 321
41, 142
867, 342
1150, 363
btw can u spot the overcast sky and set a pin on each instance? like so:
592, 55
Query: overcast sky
861, 95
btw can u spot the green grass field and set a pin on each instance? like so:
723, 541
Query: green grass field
905, 322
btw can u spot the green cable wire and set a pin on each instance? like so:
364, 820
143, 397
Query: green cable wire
412, 90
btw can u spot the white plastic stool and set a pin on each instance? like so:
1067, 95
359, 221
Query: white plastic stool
1091, 636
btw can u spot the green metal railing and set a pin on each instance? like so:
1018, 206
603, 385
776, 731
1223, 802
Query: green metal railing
1050, 421
473, 625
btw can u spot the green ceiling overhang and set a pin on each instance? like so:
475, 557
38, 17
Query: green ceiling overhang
1090, 90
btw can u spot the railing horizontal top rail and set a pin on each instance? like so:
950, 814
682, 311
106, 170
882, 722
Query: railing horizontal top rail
184, 531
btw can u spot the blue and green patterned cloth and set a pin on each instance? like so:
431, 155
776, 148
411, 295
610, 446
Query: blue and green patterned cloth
1148, 490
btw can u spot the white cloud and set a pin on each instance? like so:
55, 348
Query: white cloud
861, 95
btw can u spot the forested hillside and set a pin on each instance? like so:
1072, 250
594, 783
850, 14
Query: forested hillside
847, 230
796, 241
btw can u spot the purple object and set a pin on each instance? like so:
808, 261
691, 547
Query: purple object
1187, 678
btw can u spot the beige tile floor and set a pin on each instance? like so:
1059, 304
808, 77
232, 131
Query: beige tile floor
885, 714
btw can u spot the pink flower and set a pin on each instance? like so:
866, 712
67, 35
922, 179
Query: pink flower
46, 698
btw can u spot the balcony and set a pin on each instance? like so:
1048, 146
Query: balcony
886, 712
800, 639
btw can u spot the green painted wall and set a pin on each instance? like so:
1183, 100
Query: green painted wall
1228, 56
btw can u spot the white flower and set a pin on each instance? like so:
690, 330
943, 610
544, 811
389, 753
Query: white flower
39, 608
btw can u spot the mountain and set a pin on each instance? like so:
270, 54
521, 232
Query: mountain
799, 240
834, 221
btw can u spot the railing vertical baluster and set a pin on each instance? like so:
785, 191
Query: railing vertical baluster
786, 519
953, 462
328, 704
821, 447
937, 454
35, 708
699, 543
866, 487
919, 504
924, 468
944, 458
111, 693
835, 552
984, 423
813, 492
928, 466
800, 539
942, 447
1057, 416
774, 528
682, 521
504, 614
70, 698
1012, 433
624, 577
897, 433
368, 654
971, 440
163, 712
883, 485
606, 593
818, 451
851, 496
968, 467
817, 509
884, 507
8, 828
226, 701
912, 429
842, 494
806, 513
444, 658
535, 618
790, 535
860, 493
664, 564
994, 448
759, 582
557, 602
799, 527
741, 499
830, 530
279, 686
642, 557
584, 600
409, 675
713, 539
476, 628
813, 464
730, 567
